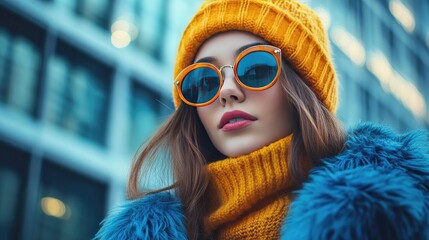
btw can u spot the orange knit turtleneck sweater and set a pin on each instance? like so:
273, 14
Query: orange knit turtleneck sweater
249, 195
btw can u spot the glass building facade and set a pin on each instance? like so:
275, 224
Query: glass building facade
83, 83
381, 51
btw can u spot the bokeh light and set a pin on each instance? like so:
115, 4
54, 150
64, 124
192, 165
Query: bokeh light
123, 32
402, 14
55, 208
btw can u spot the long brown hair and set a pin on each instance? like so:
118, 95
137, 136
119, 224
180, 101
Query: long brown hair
319, 134
316, 135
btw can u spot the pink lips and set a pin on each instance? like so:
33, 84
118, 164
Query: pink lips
240, 120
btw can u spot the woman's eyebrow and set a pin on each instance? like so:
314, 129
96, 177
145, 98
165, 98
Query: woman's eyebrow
242, 48
207, 60
238, 51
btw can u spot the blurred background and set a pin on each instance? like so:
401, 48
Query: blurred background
84, 82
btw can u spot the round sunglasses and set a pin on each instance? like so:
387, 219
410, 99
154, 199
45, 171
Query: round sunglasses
256, 68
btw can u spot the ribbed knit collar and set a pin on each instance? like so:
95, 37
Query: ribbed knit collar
242, 185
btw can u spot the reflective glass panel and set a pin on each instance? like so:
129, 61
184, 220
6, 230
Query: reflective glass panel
21, 44
145, 114
13, 182
78, 89
70, 205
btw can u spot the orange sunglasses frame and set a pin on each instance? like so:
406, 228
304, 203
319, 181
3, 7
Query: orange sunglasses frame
276, 52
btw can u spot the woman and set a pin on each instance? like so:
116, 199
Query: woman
255, 149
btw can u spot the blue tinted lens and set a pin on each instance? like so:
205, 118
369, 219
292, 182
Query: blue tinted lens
200, 85
257, 69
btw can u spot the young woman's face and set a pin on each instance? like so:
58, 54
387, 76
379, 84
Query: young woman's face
241, 121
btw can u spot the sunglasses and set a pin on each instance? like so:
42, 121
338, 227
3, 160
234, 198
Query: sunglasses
256, 68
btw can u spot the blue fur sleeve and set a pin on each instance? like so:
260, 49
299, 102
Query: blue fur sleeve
157, 216
377, 188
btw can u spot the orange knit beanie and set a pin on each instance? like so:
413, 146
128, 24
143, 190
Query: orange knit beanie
287, 24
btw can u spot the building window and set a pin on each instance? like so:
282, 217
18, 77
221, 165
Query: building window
70, 205
20, 62
145, 115
78, 89
422, 76
152, 26
13, 179
149, 18
97, 11
367, 103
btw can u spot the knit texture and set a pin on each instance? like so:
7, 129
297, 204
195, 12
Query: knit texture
249, 194
287, 24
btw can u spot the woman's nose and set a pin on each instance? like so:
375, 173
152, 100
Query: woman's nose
230, 91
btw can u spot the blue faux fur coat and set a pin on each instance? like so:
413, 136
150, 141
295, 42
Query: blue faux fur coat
377, 188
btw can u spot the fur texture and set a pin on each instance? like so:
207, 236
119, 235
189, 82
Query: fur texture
377, 188
157, 216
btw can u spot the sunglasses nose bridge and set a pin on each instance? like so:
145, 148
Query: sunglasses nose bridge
224, 73
225, 66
